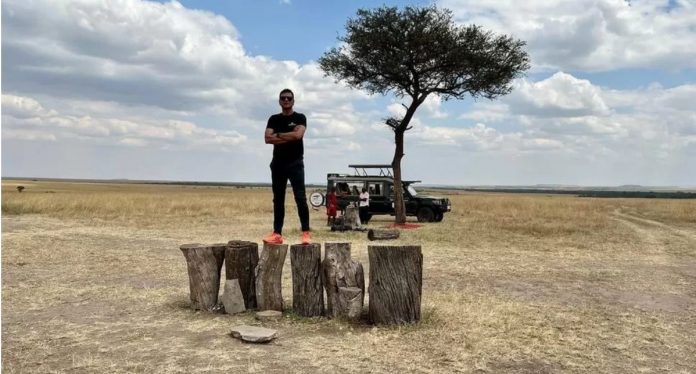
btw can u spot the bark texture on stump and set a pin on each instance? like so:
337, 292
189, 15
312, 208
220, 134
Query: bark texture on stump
307, 290
396, 280
241, 259
269, 274
339, 270
203, 263
352, 217
374, 234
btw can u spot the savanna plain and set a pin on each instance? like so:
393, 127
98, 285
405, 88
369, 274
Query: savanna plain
93, 281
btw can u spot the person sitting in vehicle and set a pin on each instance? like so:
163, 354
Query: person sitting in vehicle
343, 189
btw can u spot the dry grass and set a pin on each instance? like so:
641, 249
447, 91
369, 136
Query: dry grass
93, 281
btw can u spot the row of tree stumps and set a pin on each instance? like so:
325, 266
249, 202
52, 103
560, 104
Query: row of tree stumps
394, 290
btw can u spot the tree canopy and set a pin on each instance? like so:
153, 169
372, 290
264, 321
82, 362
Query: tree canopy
418, 51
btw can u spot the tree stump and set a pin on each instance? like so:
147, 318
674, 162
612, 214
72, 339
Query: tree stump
219, 253
269, 274
241, 259
352, 217
204, 263
373, 234
339, 270
396, 282
307, 290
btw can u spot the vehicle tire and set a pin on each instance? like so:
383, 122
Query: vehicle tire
439, 216
425, 214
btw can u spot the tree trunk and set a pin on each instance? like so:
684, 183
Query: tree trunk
241, 259
399, 206
307, 290
352, 217
219, 253
339, 270
374, 234
396, 274
203, 263
399, 132
269, 275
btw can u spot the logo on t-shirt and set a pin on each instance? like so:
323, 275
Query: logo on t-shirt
292, 124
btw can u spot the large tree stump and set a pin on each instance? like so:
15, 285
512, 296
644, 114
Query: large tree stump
396, 282
352, 217
204, 263
241, 259
307, 290
339, 270
269, 274
375, 234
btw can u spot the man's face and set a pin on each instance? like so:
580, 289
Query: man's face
286, 100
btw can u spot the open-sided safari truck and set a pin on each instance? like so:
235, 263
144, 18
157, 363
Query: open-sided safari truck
379, 181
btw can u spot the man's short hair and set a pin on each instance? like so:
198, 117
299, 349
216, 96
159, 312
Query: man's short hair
287, 90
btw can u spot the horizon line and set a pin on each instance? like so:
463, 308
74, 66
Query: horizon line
436, 185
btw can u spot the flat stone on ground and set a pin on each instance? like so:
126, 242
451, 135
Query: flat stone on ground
269, 315
232, 298
253, 334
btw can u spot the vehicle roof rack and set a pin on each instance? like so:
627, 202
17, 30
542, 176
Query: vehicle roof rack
361, 170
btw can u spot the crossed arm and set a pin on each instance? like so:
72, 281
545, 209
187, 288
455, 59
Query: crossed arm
281, 138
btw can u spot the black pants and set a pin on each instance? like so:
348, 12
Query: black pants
364, 213
280, 174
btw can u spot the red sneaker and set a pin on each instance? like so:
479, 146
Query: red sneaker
273, 238
306, 237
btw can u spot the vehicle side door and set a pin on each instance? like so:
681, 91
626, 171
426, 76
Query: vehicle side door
411, 203
379, 202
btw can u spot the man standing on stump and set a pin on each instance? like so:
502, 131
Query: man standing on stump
285, 131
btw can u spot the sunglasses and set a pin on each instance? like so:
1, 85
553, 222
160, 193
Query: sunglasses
286, 98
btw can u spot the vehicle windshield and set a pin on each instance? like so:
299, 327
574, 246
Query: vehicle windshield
412, 190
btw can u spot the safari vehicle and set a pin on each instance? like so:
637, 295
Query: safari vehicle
380, 184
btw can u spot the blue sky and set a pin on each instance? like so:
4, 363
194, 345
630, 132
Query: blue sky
295, 30
182, 91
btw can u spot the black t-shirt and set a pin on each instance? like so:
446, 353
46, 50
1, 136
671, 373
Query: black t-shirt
280, 123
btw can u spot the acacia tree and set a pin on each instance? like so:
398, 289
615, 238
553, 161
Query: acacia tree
419, 51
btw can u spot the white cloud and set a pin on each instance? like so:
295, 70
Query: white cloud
396, 110
592, 35
479, 136
146, 53
177, 66
27, 119
336, 124
433, 107
566, 115
146, 76
21, 107
487, 111
27, 135
561, 95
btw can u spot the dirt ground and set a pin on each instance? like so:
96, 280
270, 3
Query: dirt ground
89, 294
